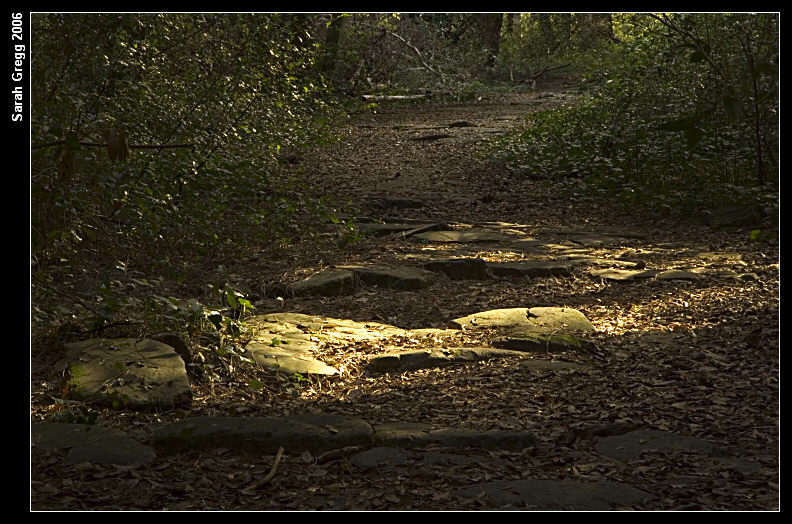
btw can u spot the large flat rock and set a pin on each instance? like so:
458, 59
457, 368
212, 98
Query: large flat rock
417, 435
547, 319
89, 443
287, 360
454, 236
554, 495
538, 342
288, 342
311, 432
630, 446
128, 373
317, 327
460, 268
623, 275
330, 282
403, 278
533, 268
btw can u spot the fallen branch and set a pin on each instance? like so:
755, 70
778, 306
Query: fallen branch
380, 98
535, 76
427, 94
249, 490
271, 474
411, 46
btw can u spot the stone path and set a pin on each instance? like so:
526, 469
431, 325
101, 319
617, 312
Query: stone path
151, 374
384, 448
555, 254
132, 374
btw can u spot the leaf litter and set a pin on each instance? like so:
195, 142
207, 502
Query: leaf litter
699, 359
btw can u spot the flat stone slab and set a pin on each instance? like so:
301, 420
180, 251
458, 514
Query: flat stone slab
311, 432
677, 274
288, 342
460, 268
536, 342
721, 258
403, 278
330, 282
318, 328
128, 373
559, 319
288, 361
553, 495
416, 435
89, 443
461, 236
630, 446
534, 268
601, 262
623, 275
433, 358
344, 279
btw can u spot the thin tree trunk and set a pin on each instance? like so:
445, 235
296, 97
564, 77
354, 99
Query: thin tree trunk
332, 38
489, 28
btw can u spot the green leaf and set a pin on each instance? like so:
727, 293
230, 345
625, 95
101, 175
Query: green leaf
245, 303
230, 297
255, 385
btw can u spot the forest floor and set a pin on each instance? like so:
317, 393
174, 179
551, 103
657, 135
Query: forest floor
693, 358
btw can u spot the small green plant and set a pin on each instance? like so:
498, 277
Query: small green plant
758, 235
74, 414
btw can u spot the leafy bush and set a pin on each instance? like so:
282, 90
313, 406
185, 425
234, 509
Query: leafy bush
156, 145
661, 128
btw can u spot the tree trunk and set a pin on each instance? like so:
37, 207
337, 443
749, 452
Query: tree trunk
489, 29
330, 54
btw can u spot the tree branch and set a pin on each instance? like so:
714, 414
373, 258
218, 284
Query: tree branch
408, 44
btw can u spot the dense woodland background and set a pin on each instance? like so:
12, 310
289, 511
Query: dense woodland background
157, 139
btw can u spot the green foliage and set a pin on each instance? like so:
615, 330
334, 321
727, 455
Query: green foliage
758, 235
661, 128
215, 98
76, 414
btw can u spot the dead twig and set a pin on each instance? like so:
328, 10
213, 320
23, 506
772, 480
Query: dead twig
250, 489
274, 468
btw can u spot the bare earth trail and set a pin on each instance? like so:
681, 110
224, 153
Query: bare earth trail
689, 359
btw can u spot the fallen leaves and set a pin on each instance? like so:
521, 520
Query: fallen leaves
700, 360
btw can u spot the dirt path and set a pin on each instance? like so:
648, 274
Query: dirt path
694, 358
